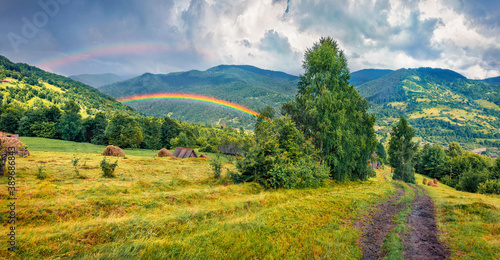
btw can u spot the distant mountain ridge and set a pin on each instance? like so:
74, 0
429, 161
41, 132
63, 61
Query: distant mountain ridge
493, 81
242, 84
362, 76
99, 80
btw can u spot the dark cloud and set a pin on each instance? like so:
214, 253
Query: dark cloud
483, 13
273, 42
246, 43
204, 33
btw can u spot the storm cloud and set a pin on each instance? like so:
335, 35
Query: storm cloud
133, 36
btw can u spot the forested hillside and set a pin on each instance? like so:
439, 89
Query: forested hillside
442, 105
30, 87
245, 85
493, 81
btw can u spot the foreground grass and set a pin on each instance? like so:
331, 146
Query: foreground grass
470, 223
159, 208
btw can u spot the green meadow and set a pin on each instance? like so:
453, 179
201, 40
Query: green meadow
168, 208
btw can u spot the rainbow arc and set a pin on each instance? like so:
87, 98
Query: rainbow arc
193, 98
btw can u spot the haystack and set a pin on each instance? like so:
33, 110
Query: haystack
6, 142
164, 153
204, 156
112, 150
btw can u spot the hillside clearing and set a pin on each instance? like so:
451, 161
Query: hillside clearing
167, 208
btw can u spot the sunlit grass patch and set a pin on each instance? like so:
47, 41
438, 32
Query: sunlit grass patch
174, 208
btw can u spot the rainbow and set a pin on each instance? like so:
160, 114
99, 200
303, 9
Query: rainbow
117, 48
193, 98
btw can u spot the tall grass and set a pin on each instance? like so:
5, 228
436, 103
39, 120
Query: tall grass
168, 208
470, 223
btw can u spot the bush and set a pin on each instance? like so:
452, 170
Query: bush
216, 167
489, 187
108, 168
450, 182
41, 175
470, 180
280, 157
207, 149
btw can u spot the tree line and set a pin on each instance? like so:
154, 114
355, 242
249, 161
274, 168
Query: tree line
119, 129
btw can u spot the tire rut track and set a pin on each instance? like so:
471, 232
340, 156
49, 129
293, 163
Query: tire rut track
422, 241
379, 225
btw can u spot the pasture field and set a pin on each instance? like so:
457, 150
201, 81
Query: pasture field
171, 208
470, 223
168, 208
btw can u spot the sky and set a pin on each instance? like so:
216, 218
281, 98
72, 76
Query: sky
131, 37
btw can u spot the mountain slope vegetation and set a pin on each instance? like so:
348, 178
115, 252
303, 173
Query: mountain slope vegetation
245, 85
493, 81
30, 87
442, 105
362, 76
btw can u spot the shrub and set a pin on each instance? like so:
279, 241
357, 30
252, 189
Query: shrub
470, 180
280, 157
489, 187
75, 164
41, 175
216, 167
450, 182
108, 168
207, 149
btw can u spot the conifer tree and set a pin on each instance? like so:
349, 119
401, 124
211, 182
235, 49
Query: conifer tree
402, 151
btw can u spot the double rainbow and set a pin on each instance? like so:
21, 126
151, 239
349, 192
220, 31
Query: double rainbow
193, 98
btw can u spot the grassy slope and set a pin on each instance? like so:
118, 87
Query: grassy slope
470, 222
169, 208
172, 208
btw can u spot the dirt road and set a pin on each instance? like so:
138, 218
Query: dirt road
421, 242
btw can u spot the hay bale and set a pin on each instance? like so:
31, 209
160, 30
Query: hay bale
112, 150
6, 142
164, 153
424, 181
435, 181
204, 156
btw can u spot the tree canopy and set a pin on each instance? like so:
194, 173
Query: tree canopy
330, 110
402, 151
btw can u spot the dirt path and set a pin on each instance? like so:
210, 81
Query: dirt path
379, 225
421, 242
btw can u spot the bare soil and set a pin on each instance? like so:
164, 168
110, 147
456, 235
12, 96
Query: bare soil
379, 225
421, 242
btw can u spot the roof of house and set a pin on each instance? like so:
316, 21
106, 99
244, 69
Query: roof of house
184, 153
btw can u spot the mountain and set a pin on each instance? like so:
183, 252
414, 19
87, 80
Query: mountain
99, 80
441, 105
245, 85
362, 76
493, 81
29, 86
